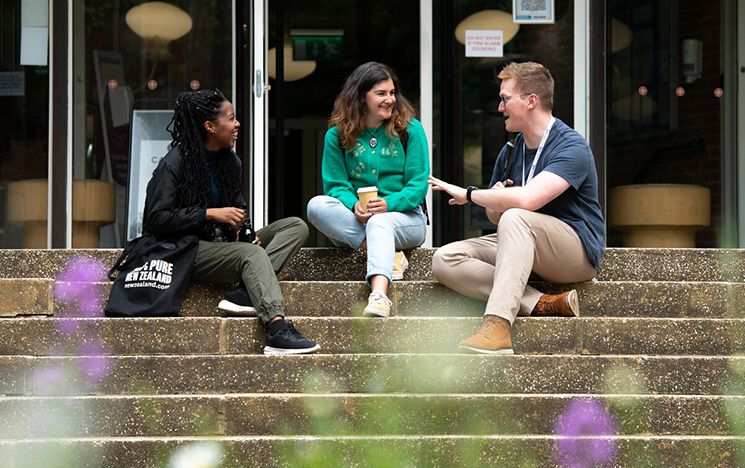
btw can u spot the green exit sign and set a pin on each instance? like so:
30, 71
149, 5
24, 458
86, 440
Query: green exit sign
318, 45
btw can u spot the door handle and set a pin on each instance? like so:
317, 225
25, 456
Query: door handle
259, 86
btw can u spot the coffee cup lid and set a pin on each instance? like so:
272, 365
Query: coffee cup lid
367, 189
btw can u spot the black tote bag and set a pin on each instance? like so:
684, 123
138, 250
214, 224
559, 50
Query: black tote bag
151, 276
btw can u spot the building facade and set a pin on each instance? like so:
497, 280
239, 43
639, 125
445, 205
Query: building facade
655, 86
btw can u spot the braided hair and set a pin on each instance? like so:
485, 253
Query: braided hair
193, 186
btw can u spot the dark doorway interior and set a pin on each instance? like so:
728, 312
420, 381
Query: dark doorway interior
665, 98
299, 107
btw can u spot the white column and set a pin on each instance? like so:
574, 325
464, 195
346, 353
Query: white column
582, 67
426, 92
740, 155
260, 116
69, 156
233, 51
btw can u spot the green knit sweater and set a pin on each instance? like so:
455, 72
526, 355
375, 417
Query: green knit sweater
401, 178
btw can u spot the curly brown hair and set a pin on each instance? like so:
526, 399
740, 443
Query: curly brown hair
350, 108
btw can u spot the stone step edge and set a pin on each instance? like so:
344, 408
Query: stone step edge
282, 395
410, 318
635, 357
35, 336
355, 282
348, 355
620, 263
415, 437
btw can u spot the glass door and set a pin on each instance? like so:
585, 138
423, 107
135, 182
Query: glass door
320, 47
24, 135
468, 126
131, 58
669, 90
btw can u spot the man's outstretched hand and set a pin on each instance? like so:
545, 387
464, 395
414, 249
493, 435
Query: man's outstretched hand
458, 194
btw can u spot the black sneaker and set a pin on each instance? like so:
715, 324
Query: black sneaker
237, 302
289, 341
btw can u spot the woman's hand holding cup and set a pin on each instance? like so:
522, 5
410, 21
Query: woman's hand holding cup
366, 194
377, 206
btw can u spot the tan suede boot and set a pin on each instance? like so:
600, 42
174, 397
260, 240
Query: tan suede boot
492, 338
558, 305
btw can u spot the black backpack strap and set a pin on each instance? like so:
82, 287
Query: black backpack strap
424, 209
510, 159
405, 144
135, 249
124, 259
405, 140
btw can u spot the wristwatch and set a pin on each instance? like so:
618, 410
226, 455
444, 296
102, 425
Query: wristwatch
470, 189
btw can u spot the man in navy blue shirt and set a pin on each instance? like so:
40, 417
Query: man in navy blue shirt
543, 197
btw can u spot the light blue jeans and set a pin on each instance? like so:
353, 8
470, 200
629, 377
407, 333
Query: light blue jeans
385, 232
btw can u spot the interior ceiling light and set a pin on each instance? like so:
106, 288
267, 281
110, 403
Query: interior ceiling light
294, 69
488, 20
620, 36
158, 23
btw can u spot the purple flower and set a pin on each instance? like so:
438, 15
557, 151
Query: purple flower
51, 380
585, 431
93, 348
82, 270
76, 284
94, 363
95, 367
68, 326
48, 377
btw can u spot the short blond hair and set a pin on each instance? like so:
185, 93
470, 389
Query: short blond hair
531, 78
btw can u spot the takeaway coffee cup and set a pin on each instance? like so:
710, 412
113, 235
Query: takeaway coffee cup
365, 194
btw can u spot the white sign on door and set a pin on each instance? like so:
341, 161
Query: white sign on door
484, 43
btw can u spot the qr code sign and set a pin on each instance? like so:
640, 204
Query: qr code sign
533, 11
533, 5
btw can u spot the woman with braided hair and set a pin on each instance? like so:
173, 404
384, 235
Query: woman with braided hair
196, 189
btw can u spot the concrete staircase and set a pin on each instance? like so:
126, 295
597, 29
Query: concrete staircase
652, 374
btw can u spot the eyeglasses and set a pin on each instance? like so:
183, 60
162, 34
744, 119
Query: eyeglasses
505, 99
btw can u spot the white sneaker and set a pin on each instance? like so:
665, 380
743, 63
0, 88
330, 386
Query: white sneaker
400, 264
238, 310
378, 305
237, 302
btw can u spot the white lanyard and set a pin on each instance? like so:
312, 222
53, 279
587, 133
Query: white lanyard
537, 153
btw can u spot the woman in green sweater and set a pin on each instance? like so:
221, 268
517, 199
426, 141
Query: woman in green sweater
373, 140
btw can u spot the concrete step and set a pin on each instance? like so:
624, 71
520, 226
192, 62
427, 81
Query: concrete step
597, 299
619, 264
365, 373
324, 264
441, 450
184, 336
345, 414
417, 298
653, 345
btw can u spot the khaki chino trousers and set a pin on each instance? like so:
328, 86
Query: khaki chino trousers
496, 268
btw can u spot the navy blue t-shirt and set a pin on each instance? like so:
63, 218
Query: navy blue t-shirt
567, 155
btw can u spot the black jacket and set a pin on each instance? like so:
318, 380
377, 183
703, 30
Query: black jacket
163, 217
